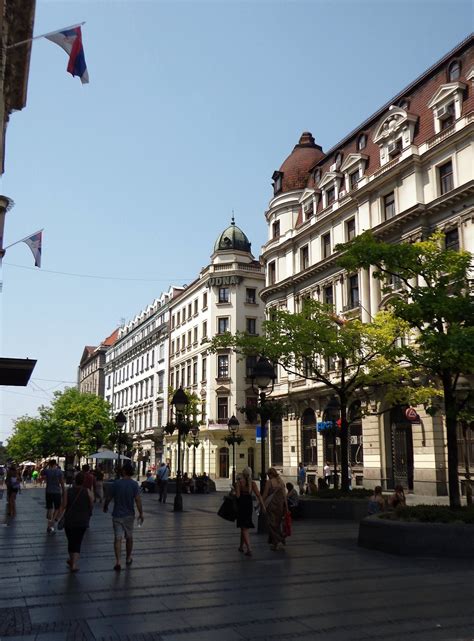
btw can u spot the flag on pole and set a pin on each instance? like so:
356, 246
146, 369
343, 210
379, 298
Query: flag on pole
34, 243
71, 41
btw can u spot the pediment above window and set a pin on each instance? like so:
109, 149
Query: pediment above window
446, 93
222, 391
353, 161
307, 194
393, 124
329, 177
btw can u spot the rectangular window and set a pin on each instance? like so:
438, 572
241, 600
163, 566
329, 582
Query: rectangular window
222, 408
276, 229
188, 375
326, 245
161, 381
330, 196
251, 324
204, 369
354, 179
389, 206
222, 325
304, 257
195, 335
308, 210
224, 295
353, 284
178, 318
272, 273
196, 306
446, 177
183, 374
204, 330
350, 229
251, 295
173, 321
177, 345
203, 412
172, 380
190, 310
250, 363
195, 372
223, 366
329, 295
448, 119
162, 353
189, 338
451, 239
204, 300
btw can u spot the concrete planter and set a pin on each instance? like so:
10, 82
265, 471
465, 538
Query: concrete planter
348, 509
417, 539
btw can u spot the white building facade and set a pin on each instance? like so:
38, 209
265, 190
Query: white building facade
136, 378
404, 173
224, 298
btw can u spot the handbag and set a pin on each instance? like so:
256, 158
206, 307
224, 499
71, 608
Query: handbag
287, 523
228, 509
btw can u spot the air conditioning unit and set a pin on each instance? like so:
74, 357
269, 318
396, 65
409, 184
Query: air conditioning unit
392, 147
445, 112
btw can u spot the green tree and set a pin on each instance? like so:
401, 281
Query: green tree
345, 355
436, 300
27, 440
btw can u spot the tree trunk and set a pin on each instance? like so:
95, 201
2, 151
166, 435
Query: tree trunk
451, 433
344, 446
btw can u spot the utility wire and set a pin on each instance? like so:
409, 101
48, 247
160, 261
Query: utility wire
118, 278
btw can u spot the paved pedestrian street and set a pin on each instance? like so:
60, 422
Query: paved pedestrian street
188, 582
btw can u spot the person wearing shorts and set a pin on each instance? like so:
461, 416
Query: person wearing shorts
125, 493
54, 493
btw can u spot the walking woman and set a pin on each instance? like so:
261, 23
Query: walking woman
274, 498
77, 507
244, 489
13, 484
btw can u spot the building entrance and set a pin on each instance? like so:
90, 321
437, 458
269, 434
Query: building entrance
402, 449
224, 463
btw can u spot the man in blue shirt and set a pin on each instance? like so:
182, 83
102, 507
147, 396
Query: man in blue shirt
54, 493
125, 493
162, 477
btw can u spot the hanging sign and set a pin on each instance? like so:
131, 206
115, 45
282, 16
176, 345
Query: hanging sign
258, 433
412, 415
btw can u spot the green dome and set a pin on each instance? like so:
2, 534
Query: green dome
232, 238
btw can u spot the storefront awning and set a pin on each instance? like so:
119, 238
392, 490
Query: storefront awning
16, 371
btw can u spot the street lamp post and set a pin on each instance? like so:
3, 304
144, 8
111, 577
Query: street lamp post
138, 451
263, 375
179, 400
331, 413
233, 426
77, 436
120, 421
194, 442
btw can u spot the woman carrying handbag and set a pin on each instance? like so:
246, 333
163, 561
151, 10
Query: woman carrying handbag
77, 511
243, 491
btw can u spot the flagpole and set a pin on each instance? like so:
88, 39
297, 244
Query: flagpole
45, 35
23, 239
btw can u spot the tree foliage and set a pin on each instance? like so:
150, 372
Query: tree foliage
436, 300
63, 427
347, 356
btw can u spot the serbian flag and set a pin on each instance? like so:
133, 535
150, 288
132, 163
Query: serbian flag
71, 41
34, 243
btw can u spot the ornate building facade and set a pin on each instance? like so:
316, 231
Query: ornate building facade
224, 298
136, 377
405, 172
91, 377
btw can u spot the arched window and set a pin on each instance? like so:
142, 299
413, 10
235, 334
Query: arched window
362, 142
309, 448
454, 71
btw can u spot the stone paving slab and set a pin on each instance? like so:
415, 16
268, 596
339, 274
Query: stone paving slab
188, 582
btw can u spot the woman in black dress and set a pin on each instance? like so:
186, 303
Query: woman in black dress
244, 489
77, 503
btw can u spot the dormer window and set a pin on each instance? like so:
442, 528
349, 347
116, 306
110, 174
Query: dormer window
276, 229
362, 142
338, 160
447, 105
308, 210
277, 182
354, 179
394, 148
394, 133
330, 196
353, 168
454, 71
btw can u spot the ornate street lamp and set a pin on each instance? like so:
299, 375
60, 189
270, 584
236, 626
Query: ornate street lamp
179, 400
233, 426
193, 441
120, 421
331, 413
263, 377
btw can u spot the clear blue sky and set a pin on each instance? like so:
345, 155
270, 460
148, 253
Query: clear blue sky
191, 106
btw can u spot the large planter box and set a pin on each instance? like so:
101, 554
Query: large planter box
417, 539
349, 509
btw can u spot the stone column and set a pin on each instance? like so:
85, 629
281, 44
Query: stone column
373, 450
374, 293
365, 296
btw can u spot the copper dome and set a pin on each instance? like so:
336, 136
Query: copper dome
294, 171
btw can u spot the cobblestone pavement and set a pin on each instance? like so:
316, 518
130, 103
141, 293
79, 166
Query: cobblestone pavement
188, 582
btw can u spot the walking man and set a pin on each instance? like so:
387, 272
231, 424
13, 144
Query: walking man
163, 476
54, 493
327, 473
301, 477
125, 493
